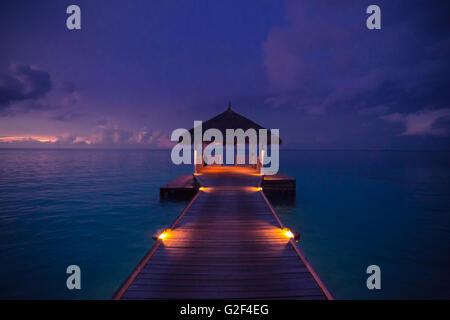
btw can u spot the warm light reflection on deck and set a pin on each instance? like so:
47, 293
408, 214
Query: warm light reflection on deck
163, 235
229, 188
184, 234
229, 169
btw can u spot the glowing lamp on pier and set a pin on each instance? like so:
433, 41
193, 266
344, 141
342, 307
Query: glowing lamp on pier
161, 235
291, 235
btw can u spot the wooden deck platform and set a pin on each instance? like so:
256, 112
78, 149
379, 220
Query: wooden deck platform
228, 243
279, 185
183, 187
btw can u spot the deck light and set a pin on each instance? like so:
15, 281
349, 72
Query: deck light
292, 235
161, 235
202, 188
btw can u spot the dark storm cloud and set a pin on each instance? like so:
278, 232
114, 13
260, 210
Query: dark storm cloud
26, 106
325, 59
25, 83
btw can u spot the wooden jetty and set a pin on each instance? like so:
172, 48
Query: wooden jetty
228, 243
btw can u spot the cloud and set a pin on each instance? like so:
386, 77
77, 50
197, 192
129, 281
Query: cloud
102, 122
152, 138
378, 110
110, 135
28, 89
69, 87
71, 94
324, 58
25, 84
145, 136
68, 116
421, 123
25, 107
104, 135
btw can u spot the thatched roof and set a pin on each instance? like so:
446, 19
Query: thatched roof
231, 120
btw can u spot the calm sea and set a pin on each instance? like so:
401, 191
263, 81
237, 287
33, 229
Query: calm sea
99, 209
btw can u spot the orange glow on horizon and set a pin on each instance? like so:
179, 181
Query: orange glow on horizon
28, 138
44, 139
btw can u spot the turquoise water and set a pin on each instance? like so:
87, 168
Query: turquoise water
99, 208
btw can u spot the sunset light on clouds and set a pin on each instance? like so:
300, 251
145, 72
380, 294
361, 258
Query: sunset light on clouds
310, 66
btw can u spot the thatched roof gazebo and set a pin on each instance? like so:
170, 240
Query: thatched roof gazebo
230, 119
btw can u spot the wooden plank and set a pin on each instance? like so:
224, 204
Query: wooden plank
227, 244
289, 277
278, 177
218, 294
184, 181
254, 281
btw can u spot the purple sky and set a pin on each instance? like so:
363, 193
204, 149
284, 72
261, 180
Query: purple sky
140, 69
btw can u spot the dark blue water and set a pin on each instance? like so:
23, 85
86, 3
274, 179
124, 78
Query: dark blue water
99, 208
